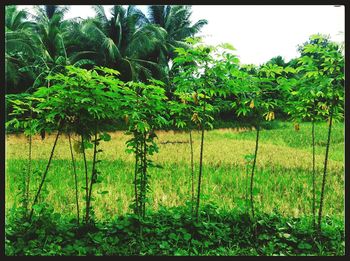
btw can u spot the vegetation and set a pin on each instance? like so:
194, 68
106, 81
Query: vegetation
159, 79
172, 231
137, 45
282, 176
284, 169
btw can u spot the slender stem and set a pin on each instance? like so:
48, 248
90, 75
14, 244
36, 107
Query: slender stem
75, 177
86, 178
141, 179
192, 170
246, 186
44, 175
145, 175
93, 176
253, 168
27, 181
26, 202
313, 175
325, 169
135, 178
200, 163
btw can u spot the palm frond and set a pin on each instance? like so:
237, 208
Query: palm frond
146, 40
111, 48
140, 18
91, 29
100, 14
82, 62
198, 26
75, 56
156, 14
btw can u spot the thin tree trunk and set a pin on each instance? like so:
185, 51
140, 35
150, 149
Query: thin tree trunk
246, 188
253, 168
313, 175
27, 180
135, 180
200, 163
86, 177
192, 171
93, 177
44, 175
325, 169
140, 172
75, 177
26, 199
145, 176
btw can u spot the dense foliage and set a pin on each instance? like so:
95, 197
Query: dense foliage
139, 46
173, 231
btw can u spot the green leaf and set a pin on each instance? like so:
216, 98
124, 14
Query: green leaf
187, 236
105, 137
227, 46
304, 245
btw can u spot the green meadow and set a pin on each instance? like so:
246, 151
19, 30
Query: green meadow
283, 180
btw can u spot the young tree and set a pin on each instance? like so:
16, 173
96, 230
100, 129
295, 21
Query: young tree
254, 98
25, 116
322, 66
82, 102
202, 75
303, 98
184, 110
143, 106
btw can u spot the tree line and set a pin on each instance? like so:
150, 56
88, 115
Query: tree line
139, 46
85, 102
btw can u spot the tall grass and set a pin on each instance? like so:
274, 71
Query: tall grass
283, 175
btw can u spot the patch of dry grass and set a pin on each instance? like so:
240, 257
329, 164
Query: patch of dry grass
283, 177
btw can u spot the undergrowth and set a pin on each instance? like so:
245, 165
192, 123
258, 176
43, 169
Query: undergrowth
171, 231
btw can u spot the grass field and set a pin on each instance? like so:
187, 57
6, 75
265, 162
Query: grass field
283, 177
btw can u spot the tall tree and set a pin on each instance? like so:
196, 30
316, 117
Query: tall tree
20, 49
125, 41
176, 22
322, 61
55, 34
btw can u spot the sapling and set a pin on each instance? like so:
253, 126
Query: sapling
302, 103
322, 64
253, 97
182, 109
144, 105
191, 64
25, 114
201, 72
83, 102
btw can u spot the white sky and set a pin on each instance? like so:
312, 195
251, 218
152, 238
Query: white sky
258, 32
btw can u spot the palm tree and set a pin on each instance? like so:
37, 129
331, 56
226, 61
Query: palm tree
176, 22
125, 41
20, 49
55, 36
